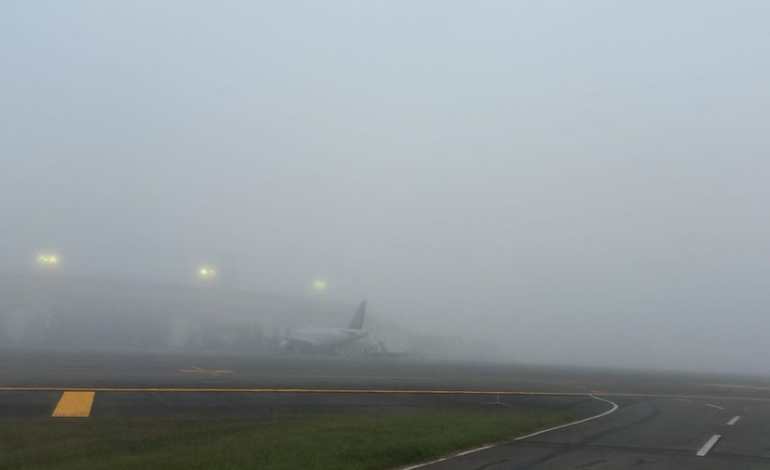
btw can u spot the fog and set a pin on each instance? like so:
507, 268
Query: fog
575, 182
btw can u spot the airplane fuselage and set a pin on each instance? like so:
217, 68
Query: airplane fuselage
326, 337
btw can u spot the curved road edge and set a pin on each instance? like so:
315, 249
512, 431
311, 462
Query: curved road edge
614, 407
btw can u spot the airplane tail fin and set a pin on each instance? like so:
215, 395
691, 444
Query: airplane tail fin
357, 322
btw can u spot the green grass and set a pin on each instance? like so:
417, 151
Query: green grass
336, 442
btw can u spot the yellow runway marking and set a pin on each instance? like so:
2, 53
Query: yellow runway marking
199, 370
74, 405
91, 390
294, 390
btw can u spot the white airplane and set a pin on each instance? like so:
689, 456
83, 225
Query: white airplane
326, 339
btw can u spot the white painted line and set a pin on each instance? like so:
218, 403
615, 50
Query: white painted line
733, 421
473, 450
708, 445
714, 406
477, 449
426, 463
601, 415
442, 459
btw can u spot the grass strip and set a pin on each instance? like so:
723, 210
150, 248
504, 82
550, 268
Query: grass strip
339, 441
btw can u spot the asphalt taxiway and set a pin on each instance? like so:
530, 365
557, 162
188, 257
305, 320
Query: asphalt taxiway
649, 420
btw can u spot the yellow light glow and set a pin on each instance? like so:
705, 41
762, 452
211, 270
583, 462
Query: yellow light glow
48, 260
207, 272
319, 285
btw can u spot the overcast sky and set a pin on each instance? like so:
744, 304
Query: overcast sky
581, 181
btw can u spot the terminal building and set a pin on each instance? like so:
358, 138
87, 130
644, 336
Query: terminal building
49, 310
